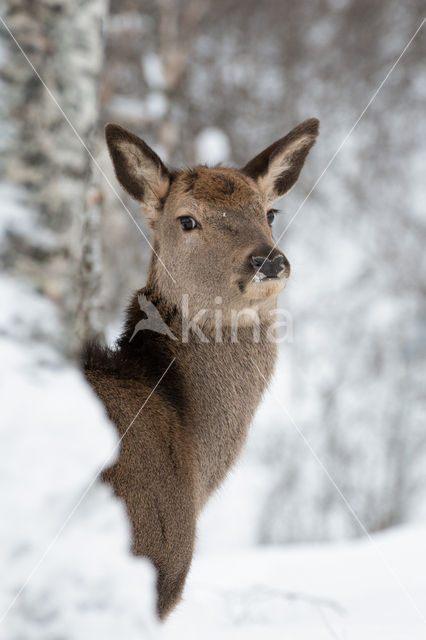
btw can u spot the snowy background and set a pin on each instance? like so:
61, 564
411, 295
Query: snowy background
319, 531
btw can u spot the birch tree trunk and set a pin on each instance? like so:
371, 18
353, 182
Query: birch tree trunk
44, 158
89, 325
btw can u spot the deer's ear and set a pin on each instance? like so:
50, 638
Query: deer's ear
138, 168
277, 168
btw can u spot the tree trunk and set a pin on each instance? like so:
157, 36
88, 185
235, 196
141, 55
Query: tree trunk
45, 158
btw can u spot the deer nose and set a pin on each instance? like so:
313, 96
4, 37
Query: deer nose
270, 268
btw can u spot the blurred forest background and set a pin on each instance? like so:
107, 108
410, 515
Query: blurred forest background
217, 81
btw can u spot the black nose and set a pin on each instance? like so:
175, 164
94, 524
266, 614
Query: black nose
269, 268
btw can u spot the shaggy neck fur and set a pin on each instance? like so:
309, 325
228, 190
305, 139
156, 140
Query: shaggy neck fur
215, 387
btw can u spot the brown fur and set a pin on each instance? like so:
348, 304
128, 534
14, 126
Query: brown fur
179, 441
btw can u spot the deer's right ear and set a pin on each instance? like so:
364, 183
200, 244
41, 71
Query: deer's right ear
138, 168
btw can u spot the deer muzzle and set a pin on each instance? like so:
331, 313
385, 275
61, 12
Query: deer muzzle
271, 267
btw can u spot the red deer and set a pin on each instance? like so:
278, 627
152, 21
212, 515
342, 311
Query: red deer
182, 400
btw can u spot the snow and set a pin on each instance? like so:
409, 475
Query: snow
132, 109
123, 24
212, 146
156, 105
15, 219
127, 108
153, 70
363, 589
64, 539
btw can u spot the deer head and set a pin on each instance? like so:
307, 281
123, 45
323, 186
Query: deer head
213, 226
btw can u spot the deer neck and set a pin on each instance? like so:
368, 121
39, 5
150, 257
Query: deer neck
217, 386
225, 382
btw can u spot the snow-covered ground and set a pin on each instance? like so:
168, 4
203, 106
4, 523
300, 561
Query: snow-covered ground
361, 590
66, 569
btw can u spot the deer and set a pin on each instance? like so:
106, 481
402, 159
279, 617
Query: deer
182, 407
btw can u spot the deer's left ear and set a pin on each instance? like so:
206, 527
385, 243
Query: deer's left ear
277, 168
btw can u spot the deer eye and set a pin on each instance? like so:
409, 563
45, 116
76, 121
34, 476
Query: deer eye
271, 216
187, 223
